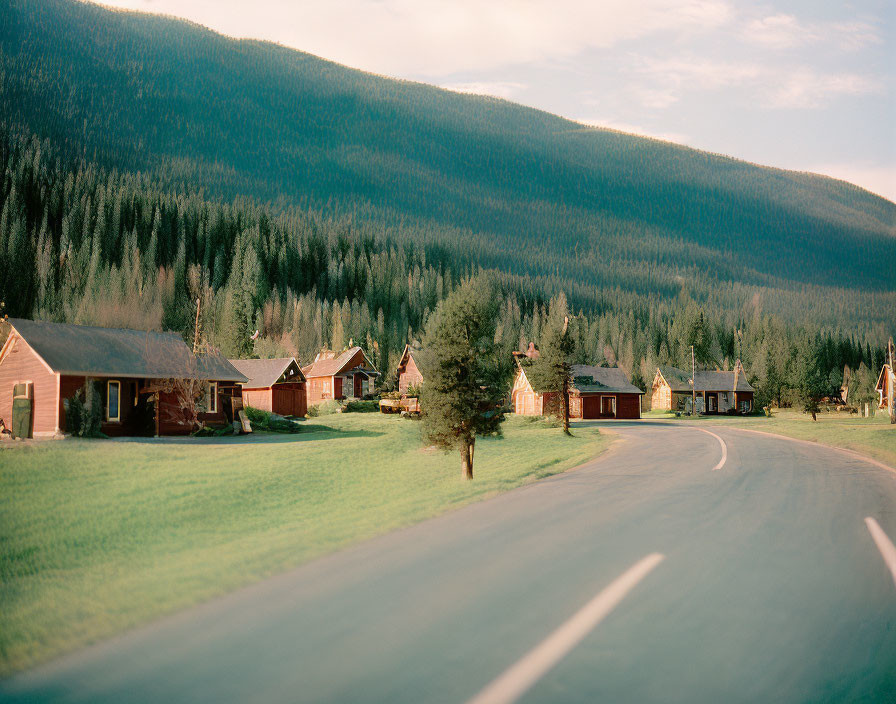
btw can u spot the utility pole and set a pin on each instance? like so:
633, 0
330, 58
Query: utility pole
693, 384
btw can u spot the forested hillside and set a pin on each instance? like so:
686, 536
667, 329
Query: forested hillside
530, 192
147, 162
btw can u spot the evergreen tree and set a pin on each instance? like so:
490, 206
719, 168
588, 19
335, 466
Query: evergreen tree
551, 370
466, 381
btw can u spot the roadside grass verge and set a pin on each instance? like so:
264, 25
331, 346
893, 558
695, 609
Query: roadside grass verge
98, 536
874, 436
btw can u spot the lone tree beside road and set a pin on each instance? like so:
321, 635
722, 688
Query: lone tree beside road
465, 376
551, 370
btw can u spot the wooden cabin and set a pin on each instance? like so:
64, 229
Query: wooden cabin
716, 391
274, 385
886, 388
408, 371
350, 374
595, 393
139, 376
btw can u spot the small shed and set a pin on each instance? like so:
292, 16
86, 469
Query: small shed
274, 385
409, 375
603, 392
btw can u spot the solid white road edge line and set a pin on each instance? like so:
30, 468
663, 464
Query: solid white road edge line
884, 544
519, 678
721, 442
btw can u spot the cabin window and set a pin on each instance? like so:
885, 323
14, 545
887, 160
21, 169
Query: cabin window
113, 401
213, 397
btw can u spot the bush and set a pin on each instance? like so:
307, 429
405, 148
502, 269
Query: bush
325, 408
262, 420
361, 407
84, 413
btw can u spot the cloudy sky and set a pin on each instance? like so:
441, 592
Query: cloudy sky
801, 84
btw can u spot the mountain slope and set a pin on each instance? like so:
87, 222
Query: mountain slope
530, 192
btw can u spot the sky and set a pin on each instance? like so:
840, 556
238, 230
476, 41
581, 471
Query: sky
798, 84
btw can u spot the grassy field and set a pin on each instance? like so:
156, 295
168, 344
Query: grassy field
874, 436
97, 536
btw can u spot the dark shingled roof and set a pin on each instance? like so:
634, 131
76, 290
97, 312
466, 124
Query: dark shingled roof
263, 373
602, 380
735, 380
93, 351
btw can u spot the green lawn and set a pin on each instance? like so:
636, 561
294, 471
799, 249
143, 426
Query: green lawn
97, 536
874, 436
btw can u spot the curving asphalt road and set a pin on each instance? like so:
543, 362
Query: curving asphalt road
644, 576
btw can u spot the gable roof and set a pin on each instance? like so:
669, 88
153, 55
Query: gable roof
734, 380
85, 350
881, 378
333, 365
263, 373
410, 351
602, 379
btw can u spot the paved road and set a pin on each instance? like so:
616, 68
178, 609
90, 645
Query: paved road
771, 588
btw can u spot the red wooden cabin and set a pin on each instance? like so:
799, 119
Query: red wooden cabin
137, 374
274, 385
347, 375
594, 392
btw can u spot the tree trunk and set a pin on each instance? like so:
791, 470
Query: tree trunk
564, 404
814, 417
466, 457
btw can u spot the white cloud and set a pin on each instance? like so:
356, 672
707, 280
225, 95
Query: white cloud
443, 37
498, 89
783, 31
766, 84
806, 88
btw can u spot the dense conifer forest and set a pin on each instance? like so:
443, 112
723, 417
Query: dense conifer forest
148, 162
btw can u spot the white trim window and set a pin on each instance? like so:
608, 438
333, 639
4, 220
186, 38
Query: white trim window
113, 401
213, 397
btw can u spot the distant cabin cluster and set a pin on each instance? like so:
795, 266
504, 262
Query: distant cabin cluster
141, 379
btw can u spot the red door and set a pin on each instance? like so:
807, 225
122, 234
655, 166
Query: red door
357, 385
590, 407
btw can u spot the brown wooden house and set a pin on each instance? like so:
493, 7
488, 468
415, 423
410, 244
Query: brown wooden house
335, 377
595, 392
274, 385
409, 375
716, 391
886, 388
139, 376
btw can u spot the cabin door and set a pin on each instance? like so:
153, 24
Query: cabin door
357, 384
608, 406
712, 403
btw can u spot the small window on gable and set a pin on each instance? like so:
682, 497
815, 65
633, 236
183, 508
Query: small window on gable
113, 401
213, 397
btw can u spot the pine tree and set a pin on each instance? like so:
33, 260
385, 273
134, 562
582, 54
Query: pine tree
552, 369
466, 381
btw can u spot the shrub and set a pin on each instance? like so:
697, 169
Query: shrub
361, 407
262, 420
325, 408
84, 412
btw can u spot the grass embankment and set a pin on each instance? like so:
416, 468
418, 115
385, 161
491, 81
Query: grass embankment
874, 437
97, 536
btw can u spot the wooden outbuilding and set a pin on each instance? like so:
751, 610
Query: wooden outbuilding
140, 378
595, 393
886, 388
274, 385
350, 374
716, 391
409, 375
